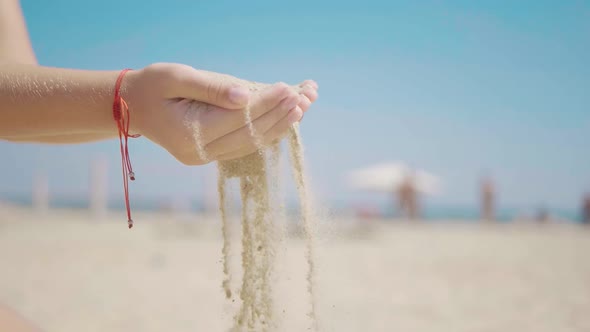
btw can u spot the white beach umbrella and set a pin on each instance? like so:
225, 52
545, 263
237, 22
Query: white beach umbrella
388, 177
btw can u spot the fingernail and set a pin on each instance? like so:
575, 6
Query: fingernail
293, 102
239, 95
312, 84
295, 116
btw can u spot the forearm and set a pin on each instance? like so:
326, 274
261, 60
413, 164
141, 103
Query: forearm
40, 101
65, 138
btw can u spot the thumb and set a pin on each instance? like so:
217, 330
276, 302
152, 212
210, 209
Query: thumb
208, 87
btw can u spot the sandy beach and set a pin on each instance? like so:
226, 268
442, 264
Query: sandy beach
67, 272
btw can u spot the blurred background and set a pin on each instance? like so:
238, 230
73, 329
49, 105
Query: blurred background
469, 117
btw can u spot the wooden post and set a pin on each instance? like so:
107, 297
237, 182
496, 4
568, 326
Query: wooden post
98, 199
40, 197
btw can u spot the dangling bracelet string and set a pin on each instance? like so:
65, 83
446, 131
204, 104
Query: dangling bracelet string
121, 116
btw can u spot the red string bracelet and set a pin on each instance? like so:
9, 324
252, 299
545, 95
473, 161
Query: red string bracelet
121, 116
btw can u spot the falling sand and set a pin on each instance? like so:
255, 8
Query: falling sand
258, 175
296, 151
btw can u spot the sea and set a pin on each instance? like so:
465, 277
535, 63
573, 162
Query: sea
433, 213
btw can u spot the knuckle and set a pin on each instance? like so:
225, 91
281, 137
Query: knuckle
210, 88
283, 87
218, 90
292, 94
159, 69
305, 101
214, 90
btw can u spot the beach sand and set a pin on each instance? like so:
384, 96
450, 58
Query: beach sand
69, 272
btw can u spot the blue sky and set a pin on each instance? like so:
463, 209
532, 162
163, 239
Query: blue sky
457, 88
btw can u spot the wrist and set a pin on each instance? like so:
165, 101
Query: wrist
122, 116
130, 92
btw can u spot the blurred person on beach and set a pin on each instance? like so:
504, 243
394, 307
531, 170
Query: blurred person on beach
408, 198
586, 209
42, 104
487, 194
543, 215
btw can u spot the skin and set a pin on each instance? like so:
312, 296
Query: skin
65, 106
49, 105
13, 322
15, 45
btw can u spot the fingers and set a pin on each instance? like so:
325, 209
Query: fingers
243, 135
267, 99
309, 94
309, 89
304, 103
223, 122
276, 132
310, 83
212, 88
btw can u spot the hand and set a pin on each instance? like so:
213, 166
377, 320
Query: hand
167, 101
